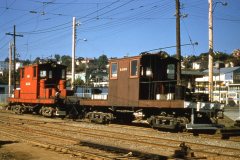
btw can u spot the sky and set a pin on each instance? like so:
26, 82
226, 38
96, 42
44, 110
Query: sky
115, 28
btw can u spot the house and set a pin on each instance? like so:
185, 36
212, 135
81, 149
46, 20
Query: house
99, 79
81, 75
5, 66
201, 64
225, 82
188, 77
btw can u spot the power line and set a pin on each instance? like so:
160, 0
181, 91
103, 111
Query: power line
67, 23
7, 7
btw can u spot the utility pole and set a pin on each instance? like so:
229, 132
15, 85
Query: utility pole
178, 42
10, 69
73, 51
210, 56
14, 52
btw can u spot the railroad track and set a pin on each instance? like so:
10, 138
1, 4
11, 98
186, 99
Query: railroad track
140, 140
141, 128
20, 129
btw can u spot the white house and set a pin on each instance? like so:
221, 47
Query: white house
225, 82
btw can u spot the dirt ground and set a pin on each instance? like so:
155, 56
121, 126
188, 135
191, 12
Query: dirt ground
11, 149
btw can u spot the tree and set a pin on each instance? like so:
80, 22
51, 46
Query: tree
102, 61
175, 56
26, 62
91, 67
57, 57
37, 60
67, 60
203, 56
79, 82
221, 56
6, 59
236, 53
81, 67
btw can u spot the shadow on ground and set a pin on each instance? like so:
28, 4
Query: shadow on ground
6, 142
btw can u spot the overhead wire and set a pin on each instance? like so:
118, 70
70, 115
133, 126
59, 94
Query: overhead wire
7, 7
125, 20
53, 28
187, 31
133, 18
9, 22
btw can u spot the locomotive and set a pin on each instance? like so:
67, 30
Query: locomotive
42, 90
143, 84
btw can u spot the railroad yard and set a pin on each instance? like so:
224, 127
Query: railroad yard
35, 137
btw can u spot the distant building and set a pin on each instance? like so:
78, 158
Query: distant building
200, 65
83, 60
4, 66
226, 85
188, 77
81, 75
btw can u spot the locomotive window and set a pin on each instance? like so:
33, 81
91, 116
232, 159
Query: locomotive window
134, 71
171, 71
63, 73
43, 73
34, 71
114, 68
50, 74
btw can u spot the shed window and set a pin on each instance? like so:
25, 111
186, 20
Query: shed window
134, 70
50, 74
171, 71
114, 68
63, 74
43, 73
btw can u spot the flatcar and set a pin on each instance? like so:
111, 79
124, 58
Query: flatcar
147, 84
42, 90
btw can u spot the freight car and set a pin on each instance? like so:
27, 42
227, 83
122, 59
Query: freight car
147, 84
42, 90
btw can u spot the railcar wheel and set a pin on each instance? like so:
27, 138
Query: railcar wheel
47, 111
17, 109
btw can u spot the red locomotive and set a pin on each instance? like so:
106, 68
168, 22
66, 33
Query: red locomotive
42, 89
